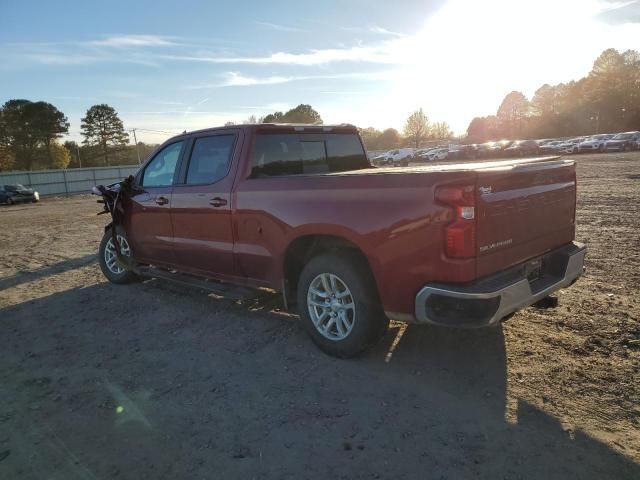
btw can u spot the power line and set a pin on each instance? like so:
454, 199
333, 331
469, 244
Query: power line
77, 132
157, 131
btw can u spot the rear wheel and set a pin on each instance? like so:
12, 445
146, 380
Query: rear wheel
339, 305
9, 201
111, 268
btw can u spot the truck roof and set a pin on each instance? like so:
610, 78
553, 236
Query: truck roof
343, 127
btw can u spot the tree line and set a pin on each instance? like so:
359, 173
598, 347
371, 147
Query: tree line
30, 134
606, 100
303, 113
417, 131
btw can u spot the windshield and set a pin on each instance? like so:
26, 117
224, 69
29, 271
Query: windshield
623, 136
14, 188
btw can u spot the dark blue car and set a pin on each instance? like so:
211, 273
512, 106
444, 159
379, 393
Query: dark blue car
623, 142
11, 194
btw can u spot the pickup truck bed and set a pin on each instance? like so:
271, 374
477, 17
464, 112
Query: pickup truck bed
446, 244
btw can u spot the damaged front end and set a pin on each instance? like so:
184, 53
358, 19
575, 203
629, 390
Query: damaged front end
115, 197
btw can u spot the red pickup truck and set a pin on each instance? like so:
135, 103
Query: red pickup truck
300, 209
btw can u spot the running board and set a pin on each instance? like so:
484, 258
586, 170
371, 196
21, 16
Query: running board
221, 289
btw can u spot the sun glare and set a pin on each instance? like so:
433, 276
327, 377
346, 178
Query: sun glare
469, 55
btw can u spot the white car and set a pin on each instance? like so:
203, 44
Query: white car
571, 146
400, 156
551, 147
437, 154
594, 144
379, 159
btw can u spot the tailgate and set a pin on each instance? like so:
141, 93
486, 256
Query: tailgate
523, 211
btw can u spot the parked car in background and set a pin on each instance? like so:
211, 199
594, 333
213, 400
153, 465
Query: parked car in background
421, 154
399, 157
463, 152
437, 154
489, 150
622, 142
594, 143
379, 160
551, 147
522, 148
571, 146
11, 194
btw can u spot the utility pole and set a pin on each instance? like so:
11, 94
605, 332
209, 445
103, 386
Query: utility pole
79, 160
136, 140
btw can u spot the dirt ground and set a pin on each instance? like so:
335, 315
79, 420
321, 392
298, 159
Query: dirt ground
158, 381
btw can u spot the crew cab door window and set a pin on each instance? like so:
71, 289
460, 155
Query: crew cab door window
210, 159
160, 171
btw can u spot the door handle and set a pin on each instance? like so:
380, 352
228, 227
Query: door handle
218, 202
162, 200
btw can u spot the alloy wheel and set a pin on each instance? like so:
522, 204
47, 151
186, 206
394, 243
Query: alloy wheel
331, 306
110, 257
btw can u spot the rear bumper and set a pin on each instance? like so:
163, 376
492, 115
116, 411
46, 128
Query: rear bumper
489, 300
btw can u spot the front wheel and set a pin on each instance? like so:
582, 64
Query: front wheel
109, 264
339, 304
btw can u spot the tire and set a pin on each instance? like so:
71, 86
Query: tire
10, 201
349, 330
112, 271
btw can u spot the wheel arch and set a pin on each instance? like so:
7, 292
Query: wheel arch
306, 246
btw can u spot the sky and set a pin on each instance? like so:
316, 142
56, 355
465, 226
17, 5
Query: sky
196, 64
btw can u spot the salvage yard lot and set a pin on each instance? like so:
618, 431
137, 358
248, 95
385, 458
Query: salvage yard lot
154, 380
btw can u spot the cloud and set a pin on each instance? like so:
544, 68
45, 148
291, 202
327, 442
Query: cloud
133, 49
384, 31
278, 27
374, 54
621, 12
60, 59
376, 29
235, 79
120, 41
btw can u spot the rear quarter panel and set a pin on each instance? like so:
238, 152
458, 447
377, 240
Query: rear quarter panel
391, 217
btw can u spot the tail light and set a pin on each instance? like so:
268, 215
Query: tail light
460, 234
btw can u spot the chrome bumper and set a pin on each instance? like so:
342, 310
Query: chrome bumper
488, 301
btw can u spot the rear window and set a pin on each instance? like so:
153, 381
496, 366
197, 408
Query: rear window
300, 154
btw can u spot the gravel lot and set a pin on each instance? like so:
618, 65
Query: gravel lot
157, 381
